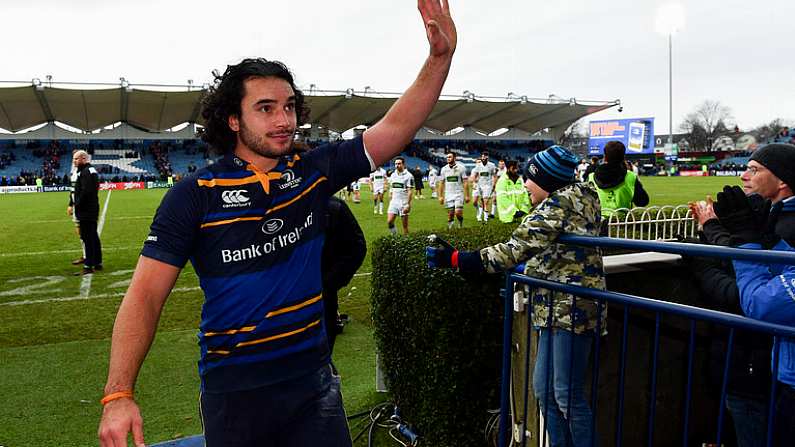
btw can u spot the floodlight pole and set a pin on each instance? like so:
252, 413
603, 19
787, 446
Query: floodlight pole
670, 95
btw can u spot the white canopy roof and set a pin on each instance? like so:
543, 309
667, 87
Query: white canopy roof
156, 111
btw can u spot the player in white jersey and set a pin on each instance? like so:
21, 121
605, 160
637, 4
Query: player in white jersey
357, 195
501, 169
433, 177
581, 168
401, 189
377, 180
484, 177
453, 190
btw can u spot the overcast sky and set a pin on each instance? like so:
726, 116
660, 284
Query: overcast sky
737, 52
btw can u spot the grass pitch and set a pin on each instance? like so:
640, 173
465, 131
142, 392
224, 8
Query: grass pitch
55, 330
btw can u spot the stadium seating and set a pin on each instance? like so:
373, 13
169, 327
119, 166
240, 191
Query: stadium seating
739, 161
25, 161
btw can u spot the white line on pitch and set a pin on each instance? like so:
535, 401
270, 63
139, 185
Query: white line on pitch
65, 221
363, 274
85, 284
80, 297
73, 250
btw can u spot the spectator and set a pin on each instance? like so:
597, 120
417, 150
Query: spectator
747, 392
766, 290
617, 187
562, 206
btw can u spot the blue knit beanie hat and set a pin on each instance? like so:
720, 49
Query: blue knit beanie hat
552, 168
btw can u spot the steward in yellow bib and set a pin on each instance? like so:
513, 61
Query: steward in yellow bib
512, 199
617, 187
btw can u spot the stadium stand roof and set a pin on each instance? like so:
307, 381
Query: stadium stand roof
22, 107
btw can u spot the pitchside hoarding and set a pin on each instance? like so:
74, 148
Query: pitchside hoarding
637, 134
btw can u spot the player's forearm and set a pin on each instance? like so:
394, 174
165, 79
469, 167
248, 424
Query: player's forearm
400, 124
136, 321
133, 333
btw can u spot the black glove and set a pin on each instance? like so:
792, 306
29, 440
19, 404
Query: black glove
743, 217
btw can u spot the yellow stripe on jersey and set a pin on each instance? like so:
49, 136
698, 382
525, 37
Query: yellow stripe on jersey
229, 221
231, 331
267, 339
285, 310
228, 181
291, 201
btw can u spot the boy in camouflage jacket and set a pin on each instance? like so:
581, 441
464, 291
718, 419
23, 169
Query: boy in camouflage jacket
562, 206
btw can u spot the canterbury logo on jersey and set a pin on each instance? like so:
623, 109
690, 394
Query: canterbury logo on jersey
235, 198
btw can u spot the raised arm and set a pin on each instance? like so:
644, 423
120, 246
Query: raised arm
397, 128
133, 332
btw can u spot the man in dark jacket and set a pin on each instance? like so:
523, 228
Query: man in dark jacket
343, 252
617, 187
86, 209
770, 171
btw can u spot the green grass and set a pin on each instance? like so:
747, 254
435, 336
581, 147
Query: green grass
53, 354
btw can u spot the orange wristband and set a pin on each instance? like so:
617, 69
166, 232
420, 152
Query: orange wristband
118, 395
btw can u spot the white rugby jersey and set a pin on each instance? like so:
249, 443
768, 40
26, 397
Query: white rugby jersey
400, 183
453, 179
377, 178
485, 174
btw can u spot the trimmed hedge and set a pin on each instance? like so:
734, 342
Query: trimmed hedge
439, 335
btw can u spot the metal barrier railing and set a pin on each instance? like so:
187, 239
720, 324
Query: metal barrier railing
652, 223
659, 308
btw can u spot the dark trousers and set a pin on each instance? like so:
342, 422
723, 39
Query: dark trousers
784, 424
749, 415
303, 412
93, 247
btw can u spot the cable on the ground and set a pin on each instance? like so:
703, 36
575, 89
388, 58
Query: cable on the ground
386, 415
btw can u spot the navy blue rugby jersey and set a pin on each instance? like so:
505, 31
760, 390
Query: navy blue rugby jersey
255, 241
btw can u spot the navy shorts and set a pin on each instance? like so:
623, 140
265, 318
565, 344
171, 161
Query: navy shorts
301, 412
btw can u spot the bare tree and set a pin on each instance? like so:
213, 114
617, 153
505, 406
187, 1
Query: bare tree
706, 123
575, 137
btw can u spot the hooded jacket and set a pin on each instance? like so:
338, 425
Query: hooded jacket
611, 175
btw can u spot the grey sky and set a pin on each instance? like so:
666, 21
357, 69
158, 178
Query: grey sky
737, 52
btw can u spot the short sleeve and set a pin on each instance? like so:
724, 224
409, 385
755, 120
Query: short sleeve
174, 229
342, 163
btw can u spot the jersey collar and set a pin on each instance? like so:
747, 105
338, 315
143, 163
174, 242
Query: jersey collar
263, 177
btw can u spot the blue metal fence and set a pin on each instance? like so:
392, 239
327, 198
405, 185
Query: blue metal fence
659, 308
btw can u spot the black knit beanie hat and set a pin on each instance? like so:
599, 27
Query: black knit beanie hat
779, 159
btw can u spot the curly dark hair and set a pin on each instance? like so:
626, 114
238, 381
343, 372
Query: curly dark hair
223, 100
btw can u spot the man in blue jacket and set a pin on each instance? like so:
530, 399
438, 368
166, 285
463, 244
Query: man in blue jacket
767, 292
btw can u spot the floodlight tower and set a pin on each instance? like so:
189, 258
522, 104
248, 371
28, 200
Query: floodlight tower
670, 19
